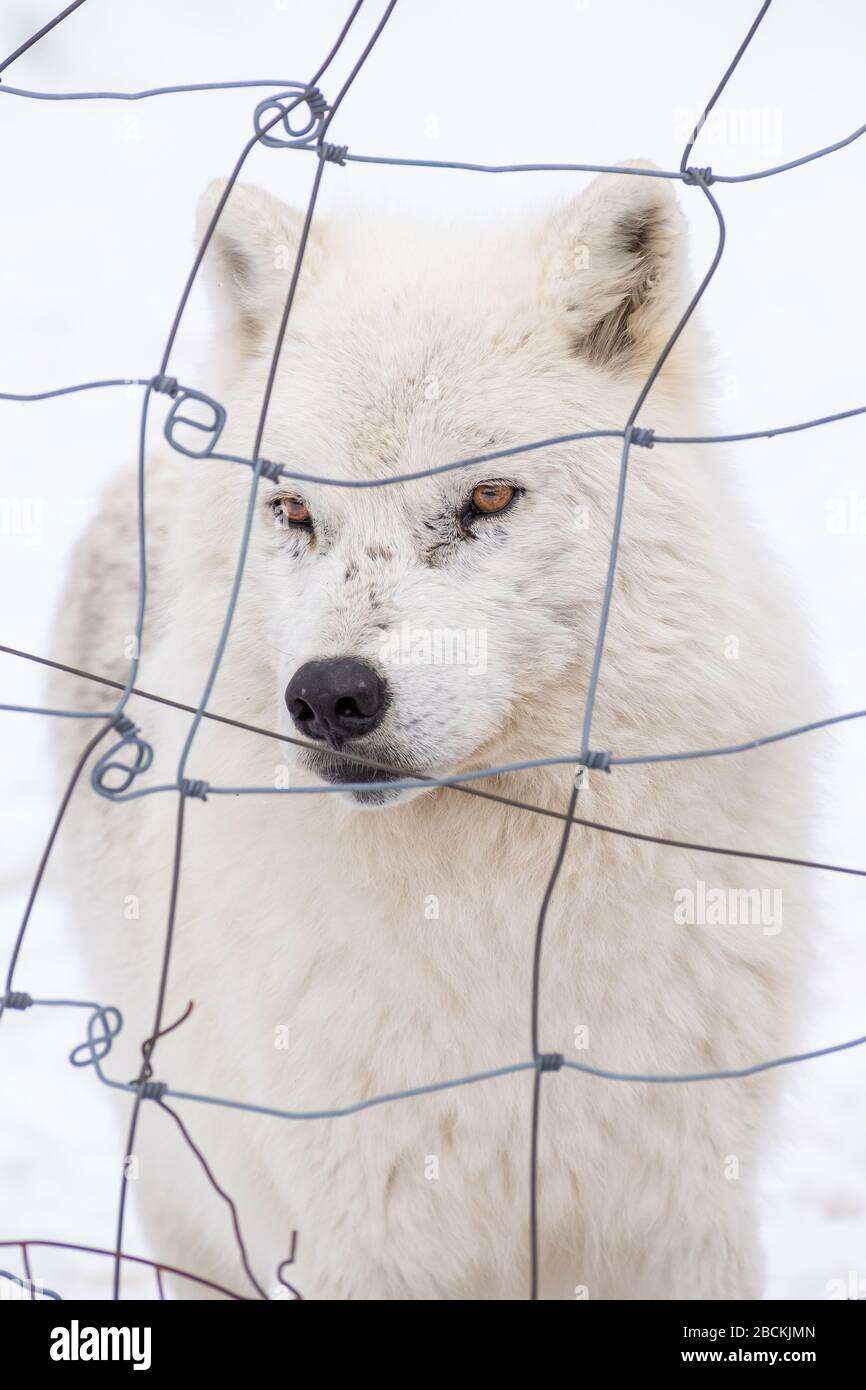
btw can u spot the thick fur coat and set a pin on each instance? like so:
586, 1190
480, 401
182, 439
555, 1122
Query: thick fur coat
336, 949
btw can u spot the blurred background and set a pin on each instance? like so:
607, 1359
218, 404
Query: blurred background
96, 239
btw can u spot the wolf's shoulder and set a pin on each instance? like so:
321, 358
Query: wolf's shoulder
94, 624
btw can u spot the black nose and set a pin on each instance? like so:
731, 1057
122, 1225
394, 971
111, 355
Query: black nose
336, 700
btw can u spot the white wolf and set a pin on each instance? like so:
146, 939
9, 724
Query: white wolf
338, 946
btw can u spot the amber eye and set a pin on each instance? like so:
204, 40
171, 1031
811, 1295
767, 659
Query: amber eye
489, 498
291, 511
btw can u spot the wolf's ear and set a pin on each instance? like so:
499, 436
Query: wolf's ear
251, 255
616, 263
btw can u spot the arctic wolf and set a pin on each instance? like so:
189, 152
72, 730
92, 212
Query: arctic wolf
338, 946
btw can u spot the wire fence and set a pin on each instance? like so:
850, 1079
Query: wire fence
117, 768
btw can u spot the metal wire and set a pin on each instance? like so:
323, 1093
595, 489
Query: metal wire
105, 1021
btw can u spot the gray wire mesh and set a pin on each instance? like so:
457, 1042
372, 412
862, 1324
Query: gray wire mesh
115, 770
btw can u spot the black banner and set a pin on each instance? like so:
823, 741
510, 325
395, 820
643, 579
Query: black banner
73, 1339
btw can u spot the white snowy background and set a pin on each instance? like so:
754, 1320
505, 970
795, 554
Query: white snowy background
98, 202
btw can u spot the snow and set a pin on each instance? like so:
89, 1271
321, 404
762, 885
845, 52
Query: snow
96, 241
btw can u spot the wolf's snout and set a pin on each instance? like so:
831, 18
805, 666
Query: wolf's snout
336, 700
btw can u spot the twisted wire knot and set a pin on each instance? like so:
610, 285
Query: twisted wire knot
108, 763
150, 1090
334, 154
704, 176
97, 1045
269, 470
167, 385
549, 1061
16, 999
316, 101
208, 422
276, 111
190, 787
597, 761
643, 437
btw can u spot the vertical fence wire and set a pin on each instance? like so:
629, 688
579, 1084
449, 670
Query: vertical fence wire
104, 1021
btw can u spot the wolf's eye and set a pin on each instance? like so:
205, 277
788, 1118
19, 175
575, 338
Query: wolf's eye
291, 511
489, 498
486, 499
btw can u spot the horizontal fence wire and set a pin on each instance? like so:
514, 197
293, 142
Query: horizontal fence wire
31, 1288
115, 770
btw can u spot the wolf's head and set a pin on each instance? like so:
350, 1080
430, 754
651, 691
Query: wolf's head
448, 621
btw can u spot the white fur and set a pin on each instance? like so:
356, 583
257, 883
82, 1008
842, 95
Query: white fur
310, 913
